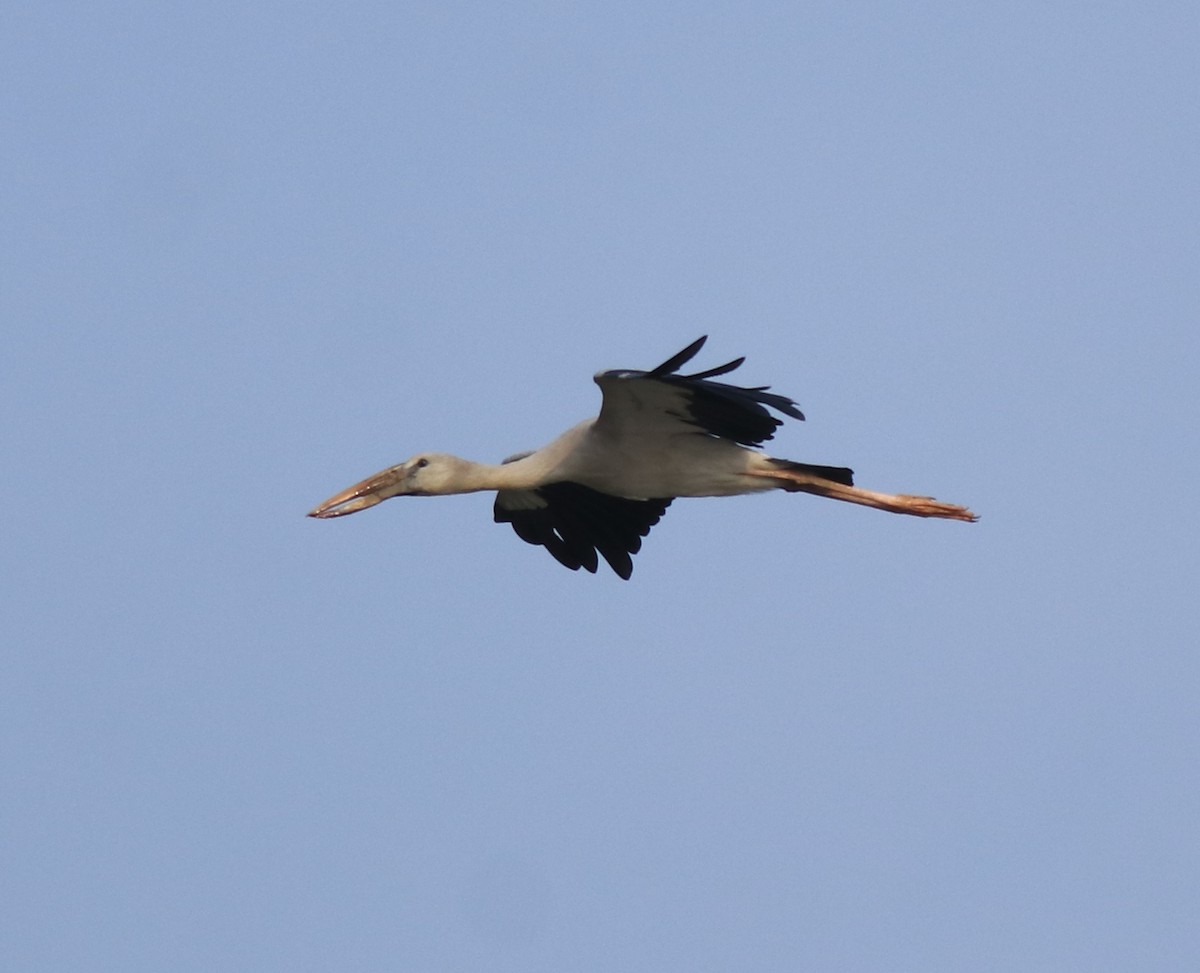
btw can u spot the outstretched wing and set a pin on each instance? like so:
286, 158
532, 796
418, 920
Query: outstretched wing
575, 523
661, 399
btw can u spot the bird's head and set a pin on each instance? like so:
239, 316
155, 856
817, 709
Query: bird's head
426, 474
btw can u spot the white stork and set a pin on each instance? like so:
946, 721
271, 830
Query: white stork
600, 486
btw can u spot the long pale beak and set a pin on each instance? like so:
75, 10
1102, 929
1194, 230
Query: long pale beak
374, 489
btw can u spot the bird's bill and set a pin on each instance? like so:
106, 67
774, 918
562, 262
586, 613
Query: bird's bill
374, 489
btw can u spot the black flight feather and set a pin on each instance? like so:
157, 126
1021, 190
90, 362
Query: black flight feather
726, 411
575, 523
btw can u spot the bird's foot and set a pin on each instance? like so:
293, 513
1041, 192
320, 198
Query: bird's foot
929, 507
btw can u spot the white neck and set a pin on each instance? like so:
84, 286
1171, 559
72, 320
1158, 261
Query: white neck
471, 477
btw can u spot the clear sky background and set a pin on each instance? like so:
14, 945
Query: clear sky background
254, 252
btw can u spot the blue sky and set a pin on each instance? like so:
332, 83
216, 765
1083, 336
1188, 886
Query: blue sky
256, 252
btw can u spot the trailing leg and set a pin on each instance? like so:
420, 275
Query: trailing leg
805, 478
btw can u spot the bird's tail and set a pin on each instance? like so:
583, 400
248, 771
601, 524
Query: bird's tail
838, 474
837, 483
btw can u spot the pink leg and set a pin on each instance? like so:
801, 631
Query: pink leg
902, 503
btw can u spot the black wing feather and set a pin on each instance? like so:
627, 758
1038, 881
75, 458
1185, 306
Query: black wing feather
677, 361
575, 523
727, 411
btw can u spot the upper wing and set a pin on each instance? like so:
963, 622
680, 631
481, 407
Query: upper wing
640, 401
574, 522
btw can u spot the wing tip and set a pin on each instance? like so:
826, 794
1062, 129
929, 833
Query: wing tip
678, 360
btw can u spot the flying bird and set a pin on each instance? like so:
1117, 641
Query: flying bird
597, 489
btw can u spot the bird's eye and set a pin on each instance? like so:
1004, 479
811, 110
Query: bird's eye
422, 463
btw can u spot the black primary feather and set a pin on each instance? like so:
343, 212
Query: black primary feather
727, 411
575, 523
